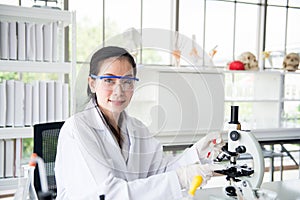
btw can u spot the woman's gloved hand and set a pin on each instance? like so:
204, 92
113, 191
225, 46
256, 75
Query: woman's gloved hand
186, 174
209, 147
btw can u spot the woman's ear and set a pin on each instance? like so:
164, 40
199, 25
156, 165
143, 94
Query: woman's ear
92, 84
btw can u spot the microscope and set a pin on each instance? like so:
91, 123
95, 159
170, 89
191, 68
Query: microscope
244, 181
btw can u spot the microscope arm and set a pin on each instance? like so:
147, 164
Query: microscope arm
247, 139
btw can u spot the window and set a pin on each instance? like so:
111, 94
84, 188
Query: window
227, 26
293, 33
158, 16
275, 35
246, 29
89, 26
219, 31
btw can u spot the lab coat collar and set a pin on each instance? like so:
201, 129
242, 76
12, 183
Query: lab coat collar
126, 126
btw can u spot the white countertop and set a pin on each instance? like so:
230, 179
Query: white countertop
286, 190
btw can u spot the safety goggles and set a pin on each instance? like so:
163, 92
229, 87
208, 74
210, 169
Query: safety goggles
110, 82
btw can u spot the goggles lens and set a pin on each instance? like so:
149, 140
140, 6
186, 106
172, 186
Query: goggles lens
110, 82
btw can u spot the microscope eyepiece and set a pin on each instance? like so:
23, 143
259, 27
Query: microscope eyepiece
234, 117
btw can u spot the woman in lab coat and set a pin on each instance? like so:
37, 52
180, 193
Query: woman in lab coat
104, 152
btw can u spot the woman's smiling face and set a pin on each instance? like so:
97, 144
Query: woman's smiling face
113, 99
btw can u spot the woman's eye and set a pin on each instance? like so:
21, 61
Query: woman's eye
129, 82
109, 80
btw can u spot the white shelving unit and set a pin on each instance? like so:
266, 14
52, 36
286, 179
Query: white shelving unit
62, 68
65, 70
266, 98
291, 100
254, 92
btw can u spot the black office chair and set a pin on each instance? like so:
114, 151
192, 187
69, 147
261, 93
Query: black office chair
45, 145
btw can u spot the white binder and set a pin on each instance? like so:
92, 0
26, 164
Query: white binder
21, 41
58, 101
4, 42
39, 42
30, 41
36, 102
3, 104
19, 103
28, 104
54, 42
12, 40
9, 158
10, 102
48, 32
65, 101
50, 101
18, 157
2, 156
43, 101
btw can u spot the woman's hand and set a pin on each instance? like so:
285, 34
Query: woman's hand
209, 147
186, 174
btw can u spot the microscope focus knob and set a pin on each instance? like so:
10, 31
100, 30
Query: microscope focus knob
241, 149
234, 135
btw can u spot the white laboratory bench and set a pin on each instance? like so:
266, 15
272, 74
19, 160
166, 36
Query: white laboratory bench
286, 190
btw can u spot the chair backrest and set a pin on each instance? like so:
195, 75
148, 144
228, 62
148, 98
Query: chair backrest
45, 145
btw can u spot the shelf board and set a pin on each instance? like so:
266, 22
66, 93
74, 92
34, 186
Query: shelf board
291, 99
27, 14
253, 100
180, 69
38, 67
9, 185
291, 73
271, 134
252, 72
13, 133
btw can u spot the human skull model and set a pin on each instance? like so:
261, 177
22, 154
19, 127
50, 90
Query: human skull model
249, 60
291, 62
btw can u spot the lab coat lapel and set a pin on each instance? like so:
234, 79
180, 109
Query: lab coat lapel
109, 142
114, 152
126, 139
133, 163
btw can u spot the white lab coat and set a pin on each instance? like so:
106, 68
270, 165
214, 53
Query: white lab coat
90, 163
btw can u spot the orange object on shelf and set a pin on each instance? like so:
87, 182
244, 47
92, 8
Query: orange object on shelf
176, 53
